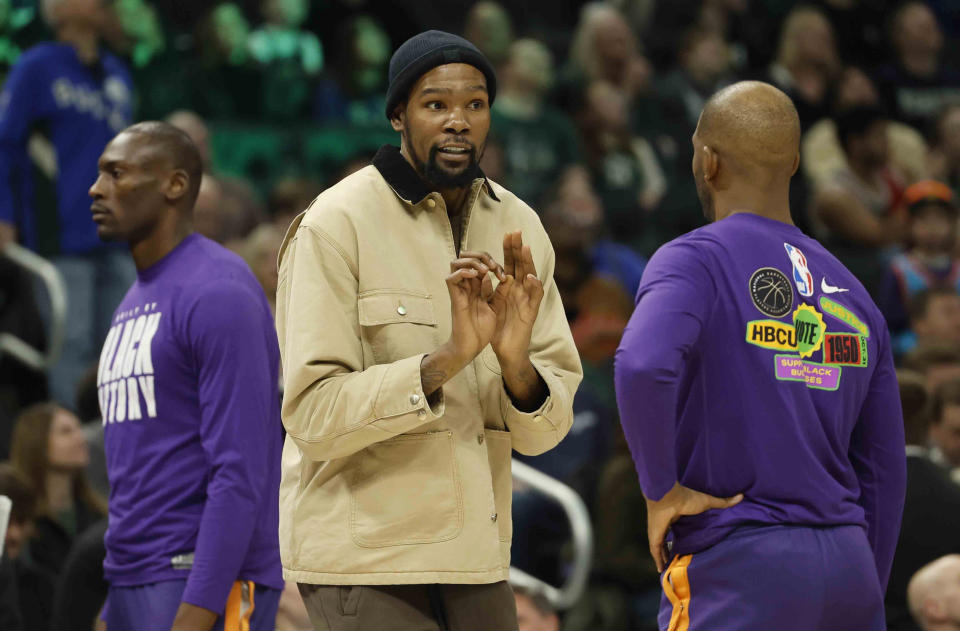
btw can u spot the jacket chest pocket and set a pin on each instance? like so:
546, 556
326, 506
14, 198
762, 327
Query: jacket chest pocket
396, 324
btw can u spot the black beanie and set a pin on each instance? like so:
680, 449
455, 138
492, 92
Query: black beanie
424, 52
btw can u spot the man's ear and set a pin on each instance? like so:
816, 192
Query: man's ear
796, 165
711, 164
398, 117
176, 185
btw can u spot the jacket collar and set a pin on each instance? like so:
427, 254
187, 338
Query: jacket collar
404, 180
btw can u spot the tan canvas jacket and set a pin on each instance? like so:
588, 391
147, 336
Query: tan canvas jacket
379, 485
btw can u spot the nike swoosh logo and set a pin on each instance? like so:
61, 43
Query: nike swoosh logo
830, 289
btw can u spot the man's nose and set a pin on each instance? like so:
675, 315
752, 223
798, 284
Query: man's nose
457, 123
96, 190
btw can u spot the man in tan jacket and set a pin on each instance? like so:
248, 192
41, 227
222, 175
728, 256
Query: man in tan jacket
414, 363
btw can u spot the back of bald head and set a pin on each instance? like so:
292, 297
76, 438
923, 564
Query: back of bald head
175, 146
754, 127
929, 585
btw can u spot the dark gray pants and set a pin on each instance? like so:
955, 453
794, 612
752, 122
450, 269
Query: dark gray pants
411, 607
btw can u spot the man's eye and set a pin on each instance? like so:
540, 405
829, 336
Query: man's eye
435, 105
477, 105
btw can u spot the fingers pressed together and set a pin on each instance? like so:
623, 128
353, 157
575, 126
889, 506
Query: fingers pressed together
517, 257
476, 265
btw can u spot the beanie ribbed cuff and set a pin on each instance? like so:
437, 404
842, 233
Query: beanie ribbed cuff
424, 52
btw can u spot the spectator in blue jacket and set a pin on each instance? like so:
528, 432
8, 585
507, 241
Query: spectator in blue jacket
61, 104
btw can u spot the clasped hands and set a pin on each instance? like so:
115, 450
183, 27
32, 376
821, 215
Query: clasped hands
502, 317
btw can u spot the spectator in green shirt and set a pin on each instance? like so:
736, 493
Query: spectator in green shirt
539, 143
288, 56
624, 168
224, 81
355, 91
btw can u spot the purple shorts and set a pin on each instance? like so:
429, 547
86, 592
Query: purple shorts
152, 607
788, 578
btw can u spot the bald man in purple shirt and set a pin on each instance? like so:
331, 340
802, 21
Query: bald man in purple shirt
757, 393
188, 386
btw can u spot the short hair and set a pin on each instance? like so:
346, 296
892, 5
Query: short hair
537, 597
947, 393
854, 122
915, 403
919, 304
178, 147
16, 486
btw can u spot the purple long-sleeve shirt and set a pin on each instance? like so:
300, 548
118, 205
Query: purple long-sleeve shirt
188, 384
756, 363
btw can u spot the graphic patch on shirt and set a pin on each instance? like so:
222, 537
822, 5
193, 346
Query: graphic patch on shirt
841, 313
125, 375
819, 376
810, 330
846, 349
771, 292
801, 273
182, 561
772, 334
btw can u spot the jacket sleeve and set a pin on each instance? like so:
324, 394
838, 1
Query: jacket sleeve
554, 355
332, 407
877, 451
20, 105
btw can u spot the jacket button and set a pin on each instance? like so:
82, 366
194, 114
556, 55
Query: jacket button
479, 439
538, 418
431, 203
493, 517
414, 399
402, 310
422, 414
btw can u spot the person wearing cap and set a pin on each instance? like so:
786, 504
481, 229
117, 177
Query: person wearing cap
414, 363
929, 261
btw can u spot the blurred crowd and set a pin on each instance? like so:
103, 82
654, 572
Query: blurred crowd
591, 126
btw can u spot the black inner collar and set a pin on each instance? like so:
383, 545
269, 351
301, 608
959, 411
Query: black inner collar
404, 179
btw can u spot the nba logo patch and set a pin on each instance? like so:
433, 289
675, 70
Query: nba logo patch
801, 275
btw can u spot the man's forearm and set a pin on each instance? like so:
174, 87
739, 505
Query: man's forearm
192, 618
526, 387
438, 368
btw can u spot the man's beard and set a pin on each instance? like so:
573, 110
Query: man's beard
706, 199
440, 178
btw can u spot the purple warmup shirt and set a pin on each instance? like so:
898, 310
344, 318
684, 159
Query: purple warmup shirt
188, 384
756, 363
